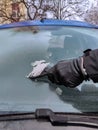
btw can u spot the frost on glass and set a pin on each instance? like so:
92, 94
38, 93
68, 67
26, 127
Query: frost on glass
19, 47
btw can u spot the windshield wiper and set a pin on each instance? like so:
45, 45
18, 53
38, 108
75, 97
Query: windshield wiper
61, 119
56, 119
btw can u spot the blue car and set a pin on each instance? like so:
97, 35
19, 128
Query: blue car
23, 43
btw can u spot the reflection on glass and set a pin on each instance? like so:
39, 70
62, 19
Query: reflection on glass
70, 43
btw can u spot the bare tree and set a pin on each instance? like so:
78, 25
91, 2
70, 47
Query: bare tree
35, 8
92, 16
58, 9
38, 9
66, 9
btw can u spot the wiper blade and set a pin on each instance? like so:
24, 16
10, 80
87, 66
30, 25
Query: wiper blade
67, 119
12, 116
56, 119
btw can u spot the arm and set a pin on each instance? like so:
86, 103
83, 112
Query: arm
91, 64
73, 72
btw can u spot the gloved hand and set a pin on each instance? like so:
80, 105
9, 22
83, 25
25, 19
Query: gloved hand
70, 73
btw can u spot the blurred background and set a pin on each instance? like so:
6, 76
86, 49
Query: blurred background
21, 10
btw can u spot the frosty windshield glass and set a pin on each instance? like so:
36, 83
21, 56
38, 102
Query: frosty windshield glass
19, 47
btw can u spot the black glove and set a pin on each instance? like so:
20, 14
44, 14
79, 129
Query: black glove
72, 73
69, 73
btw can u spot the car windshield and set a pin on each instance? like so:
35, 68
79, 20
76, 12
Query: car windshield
21, 46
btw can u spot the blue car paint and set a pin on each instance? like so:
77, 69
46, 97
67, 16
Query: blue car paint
49, 22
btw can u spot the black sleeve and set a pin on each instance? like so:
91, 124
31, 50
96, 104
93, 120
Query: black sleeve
91, 64
67, 73
71, 74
